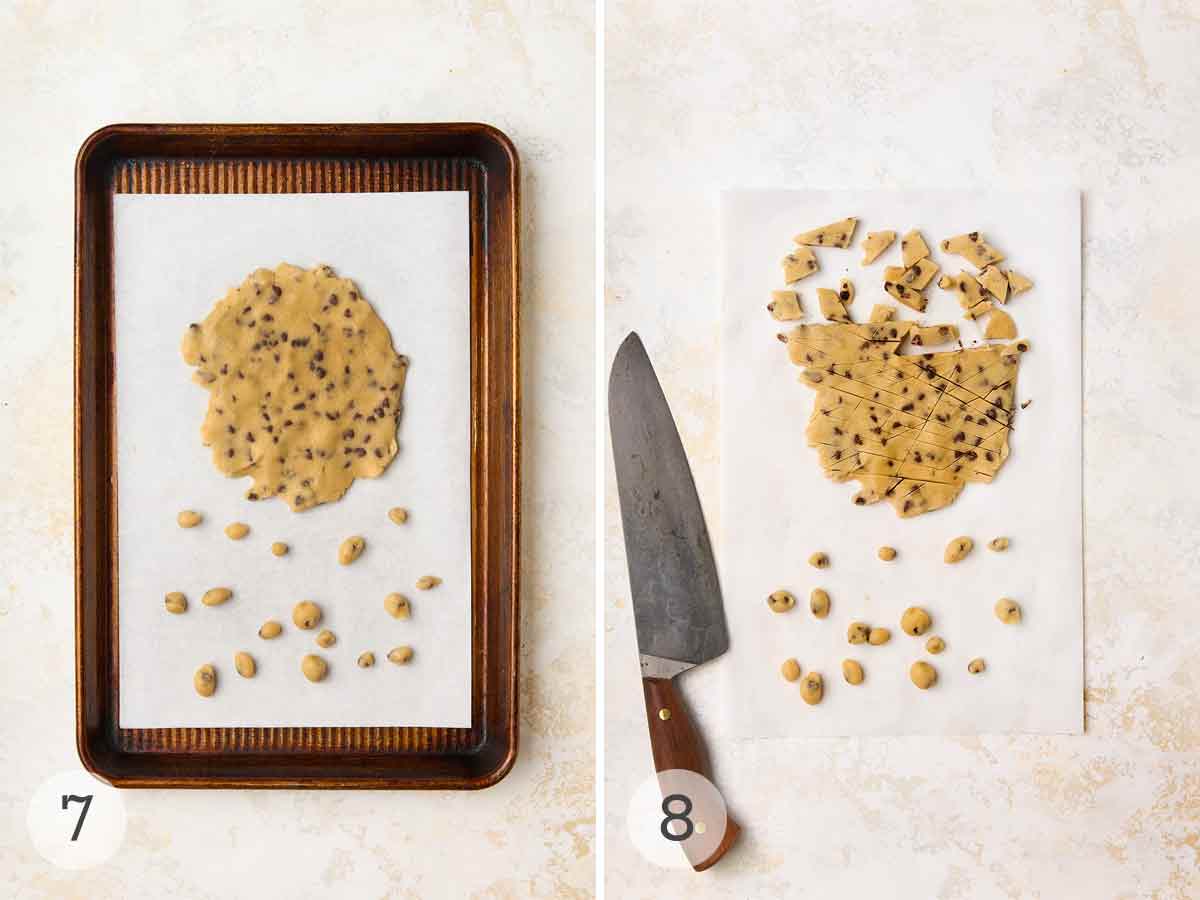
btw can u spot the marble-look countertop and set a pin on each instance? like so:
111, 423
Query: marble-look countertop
1100, 95
527, 68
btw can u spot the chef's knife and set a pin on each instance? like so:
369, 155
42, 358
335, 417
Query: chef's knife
677, 607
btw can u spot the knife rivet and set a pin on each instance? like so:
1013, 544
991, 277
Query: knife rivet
664, 714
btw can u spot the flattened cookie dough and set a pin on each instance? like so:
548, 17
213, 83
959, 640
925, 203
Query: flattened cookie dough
875, 243
835, 234
1000, 326
913, 248
973, 248
305, 386
798, 264
995, 282
1017, 283
831, 305
785, 306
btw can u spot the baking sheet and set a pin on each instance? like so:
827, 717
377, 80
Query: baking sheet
777, 507
175, 255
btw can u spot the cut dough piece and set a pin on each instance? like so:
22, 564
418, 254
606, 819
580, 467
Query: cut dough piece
882, 313
800, 263
934, 335
1000, 326
846, 291
304, 385
973, 248
916, 277
971, 296
835, 234
875, 243
995, 282
912, 430
913, 248
910, 298
785, 306
831, 305
1018, 283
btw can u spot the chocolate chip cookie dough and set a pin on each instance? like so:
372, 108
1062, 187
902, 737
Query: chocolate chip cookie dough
305, 385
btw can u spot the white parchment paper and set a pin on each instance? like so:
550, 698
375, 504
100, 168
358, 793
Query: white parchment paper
175, 256
777, 507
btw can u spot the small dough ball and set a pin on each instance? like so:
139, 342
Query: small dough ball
306, 615
879, 636
279, 548
236, 531
819, 560
915, 621
314, 667
189, 518
175, 602
957, 549
852, 671
270, 630
205, 680
1008, 611
999, 544
216, 596
790, 670
923, 675
887, 554
326, 638
976, 665
818, 602
400, 655
351, 549
245, 665
397, 606
398, 514
812, 688
366, 660
858, 632
935, 645
781, 601
428, 582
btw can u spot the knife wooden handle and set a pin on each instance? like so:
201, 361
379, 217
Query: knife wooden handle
677, 745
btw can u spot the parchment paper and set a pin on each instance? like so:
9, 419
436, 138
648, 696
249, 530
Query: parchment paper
777, 507
175, 256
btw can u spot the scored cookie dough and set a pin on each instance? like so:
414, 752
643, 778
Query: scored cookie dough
305, 385
911, 429
916, 277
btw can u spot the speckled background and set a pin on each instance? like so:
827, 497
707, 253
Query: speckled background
526, 67
1102, 95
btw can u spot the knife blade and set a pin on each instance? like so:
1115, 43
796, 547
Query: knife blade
678, 612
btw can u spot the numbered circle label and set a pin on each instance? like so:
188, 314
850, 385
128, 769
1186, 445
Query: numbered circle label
676, 819
76, 821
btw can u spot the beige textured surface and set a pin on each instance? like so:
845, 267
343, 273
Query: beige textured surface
524, 67
1098, 94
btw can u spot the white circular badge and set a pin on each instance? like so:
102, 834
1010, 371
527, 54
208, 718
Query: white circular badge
75, 820
676, 819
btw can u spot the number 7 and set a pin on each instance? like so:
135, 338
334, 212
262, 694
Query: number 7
86, 801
